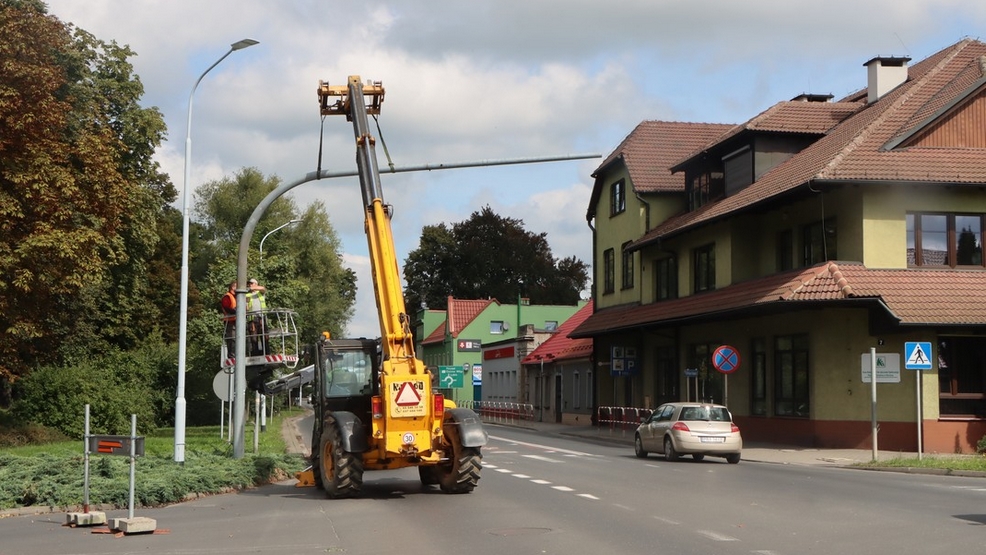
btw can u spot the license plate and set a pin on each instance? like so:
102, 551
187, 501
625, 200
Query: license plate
713, 439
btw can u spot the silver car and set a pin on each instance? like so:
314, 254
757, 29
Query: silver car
696, 429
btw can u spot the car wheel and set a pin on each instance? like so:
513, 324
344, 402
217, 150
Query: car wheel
733, 458
669, 452
698, 456
638, 447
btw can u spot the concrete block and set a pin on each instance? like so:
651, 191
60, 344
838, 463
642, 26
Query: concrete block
135, 525
85, 519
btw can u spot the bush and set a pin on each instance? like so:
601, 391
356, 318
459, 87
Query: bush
115, 386
981, 446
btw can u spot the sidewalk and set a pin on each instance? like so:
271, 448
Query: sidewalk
758, 452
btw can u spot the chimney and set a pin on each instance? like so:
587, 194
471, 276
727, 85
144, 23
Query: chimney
884, 74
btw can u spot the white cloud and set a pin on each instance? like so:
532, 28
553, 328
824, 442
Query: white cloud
486, 79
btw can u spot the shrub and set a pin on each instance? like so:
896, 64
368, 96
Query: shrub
981, 446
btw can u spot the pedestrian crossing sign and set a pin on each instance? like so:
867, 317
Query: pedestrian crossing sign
917, 355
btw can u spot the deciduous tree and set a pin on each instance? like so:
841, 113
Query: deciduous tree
489, 256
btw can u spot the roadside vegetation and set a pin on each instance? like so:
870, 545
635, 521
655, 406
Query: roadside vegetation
947, 463
52, 474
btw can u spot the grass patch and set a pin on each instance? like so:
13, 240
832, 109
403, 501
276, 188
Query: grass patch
53, 474
940, 462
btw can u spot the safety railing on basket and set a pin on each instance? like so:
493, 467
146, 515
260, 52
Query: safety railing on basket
501, 412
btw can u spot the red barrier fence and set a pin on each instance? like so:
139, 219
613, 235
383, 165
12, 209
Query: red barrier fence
500, 411
621, 418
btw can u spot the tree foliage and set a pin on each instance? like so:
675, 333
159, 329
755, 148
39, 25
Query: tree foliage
489, 256
301, 265
79, 193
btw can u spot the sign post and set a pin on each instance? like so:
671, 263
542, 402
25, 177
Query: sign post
917, 356
726, 360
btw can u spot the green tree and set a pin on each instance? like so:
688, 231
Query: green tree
301, 268
80, 195
489, 256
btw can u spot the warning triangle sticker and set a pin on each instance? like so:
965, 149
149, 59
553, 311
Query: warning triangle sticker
407, 396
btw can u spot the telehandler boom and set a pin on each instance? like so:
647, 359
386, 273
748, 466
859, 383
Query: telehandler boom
375, 404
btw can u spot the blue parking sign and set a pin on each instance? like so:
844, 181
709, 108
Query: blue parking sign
917, 355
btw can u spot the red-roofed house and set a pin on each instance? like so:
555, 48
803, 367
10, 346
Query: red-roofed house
457, 336
559, 374
804, 238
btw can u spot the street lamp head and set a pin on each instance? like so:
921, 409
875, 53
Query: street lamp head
241, 44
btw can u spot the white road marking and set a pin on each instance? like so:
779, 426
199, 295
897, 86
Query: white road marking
562, 488
524, 476
506, 470
717, 536
588, 496
545, 447
541, 482
545, 459
622, 506
667, 520
767, 551
487, 465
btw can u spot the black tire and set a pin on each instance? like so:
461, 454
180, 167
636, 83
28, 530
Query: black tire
638, 447
698, 456
341, 473
669, 452
313, 448
461, 473
733, 458
429, 475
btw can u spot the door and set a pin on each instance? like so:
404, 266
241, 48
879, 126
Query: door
558, 400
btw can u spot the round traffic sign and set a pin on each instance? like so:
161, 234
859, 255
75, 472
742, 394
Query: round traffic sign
726, 359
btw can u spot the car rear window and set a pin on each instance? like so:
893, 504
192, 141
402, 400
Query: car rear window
715, 414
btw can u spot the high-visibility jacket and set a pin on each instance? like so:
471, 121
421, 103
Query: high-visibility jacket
229, 306
255, 301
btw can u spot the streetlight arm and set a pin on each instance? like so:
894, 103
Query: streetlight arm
271, 232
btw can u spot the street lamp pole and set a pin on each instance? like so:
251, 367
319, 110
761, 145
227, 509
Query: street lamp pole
183, 314
271, 232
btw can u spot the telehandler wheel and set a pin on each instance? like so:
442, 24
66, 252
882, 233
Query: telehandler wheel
341, 473
316, 472
429, 475
461, 474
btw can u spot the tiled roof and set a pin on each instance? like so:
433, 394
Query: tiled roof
562, 347
854, 151
650, 149
461, 312
912, 296
436, 336
815, 118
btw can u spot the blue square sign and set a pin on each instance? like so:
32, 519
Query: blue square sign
917, 355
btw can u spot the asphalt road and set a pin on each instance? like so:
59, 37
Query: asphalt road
550, 494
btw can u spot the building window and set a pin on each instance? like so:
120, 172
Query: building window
704, 268
666, 375
944, 240
497, 327
962, 377
710, 384
550, 325
627, 267
576, 393
617, 198
589, 401
819, 242
785, 250
791, 376
666, 278
609, 271
705, 188
758, 377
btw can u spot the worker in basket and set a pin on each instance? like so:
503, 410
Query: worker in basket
256, 306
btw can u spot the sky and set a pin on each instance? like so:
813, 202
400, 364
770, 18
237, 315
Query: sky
477, 80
